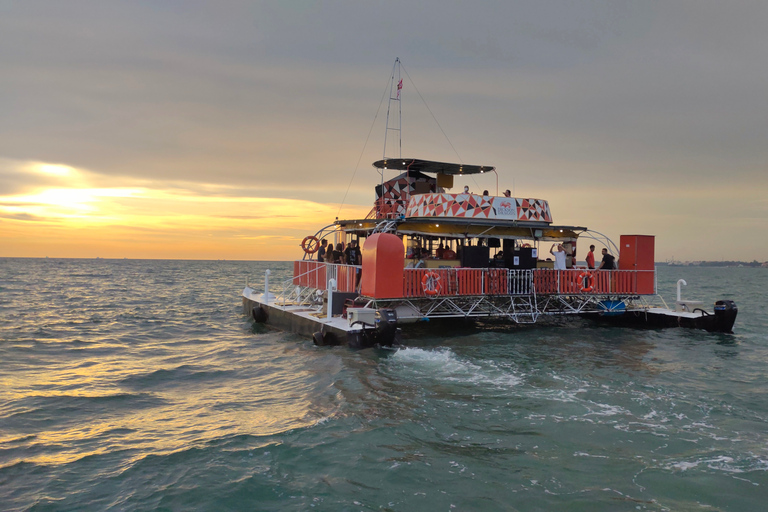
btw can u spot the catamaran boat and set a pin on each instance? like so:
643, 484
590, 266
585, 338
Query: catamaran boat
430, 254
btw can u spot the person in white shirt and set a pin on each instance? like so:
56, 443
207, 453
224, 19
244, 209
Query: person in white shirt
559, 255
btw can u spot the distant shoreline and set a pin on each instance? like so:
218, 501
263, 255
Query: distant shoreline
754, 264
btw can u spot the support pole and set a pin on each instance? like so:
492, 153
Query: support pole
266, 287
331, 289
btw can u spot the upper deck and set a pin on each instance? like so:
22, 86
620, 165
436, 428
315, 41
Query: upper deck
473, 206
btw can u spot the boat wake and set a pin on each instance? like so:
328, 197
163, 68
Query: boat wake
444, 365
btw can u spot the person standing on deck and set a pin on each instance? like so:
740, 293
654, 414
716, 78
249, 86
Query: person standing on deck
559, 255
608, 262
351, 253
591, 257
321, 251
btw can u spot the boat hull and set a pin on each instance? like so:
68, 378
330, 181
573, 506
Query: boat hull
722, 320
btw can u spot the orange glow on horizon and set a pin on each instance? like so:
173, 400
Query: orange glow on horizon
139, 222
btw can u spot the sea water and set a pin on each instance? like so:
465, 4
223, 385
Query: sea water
139, 385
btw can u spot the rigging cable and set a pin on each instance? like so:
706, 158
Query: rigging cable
357, 166
435, 119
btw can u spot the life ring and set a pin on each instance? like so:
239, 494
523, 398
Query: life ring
430, 283
310, 244
586, 281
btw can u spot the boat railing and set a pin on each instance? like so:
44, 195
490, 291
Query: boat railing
594, 282
316, 274
425, 282
428, 282
387, 209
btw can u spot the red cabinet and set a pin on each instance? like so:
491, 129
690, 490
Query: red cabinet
637, 252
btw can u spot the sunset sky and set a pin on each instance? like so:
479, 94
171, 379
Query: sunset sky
232, 129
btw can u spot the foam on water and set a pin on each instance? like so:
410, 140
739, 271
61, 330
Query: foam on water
443, 364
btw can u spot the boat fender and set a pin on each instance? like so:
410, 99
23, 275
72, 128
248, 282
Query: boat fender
310, 244
586, 282
259, 315
325, 339
430, 283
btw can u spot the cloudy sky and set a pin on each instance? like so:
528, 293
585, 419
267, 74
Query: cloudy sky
232, 129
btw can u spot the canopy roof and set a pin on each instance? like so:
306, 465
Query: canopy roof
413, 164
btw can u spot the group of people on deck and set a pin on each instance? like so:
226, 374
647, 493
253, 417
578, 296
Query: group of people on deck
507, 192
608, 262
340, 255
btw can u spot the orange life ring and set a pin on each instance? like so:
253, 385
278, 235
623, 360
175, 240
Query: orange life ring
586, 281
310, 244
430, 283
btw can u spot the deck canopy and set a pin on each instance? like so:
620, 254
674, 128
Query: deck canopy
414, 164
468, 228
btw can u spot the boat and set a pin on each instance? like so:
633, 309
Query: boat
432, 254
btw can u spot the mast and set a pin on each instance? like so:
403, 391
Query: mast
395, 125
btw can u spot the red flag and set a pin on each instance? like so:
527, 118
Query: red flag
399, 86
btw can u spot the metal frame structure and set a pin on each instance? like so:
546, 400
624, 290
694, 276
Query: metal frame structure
523, 306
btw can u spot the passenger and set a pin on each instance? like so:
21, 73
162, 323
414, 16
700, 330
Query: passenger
322, 250
449, 254
352, 253
507, 193
591, 257
609, 261
413, 251
466, 189
439, 252
338, 254
499, 255
485, 193
559, 255
423, 256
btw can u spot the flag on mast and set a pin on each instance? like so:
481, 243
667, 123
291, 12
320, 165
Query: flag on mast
399, 86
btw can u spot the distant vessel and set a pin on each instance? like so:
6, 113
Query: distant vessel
430, 254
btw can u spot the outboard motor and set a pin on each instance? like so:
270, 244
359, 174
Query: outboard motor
386, 326
725, 316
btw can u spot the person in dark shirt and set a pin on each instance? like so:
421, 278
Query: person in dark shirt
608, 262
352, 253
338, 254
322, 250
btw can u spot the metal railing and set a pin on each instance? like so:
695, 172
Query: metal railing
490, 281
424, 282
315, 274
427, 282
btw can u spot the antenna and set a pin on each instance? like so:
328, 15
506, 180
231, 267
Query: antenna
395, 86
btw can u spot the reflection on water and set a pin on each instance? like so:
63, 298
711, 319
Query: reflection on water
139, 385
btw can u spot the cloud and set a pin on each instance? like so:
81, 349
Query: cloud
159, 106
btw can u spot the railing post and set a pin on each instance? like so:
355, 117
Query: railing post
331, 288
266, 287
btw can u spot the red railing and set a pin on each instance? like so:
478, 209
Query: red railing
387, 209
426, 282
590, 282
316, 274
423, 282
